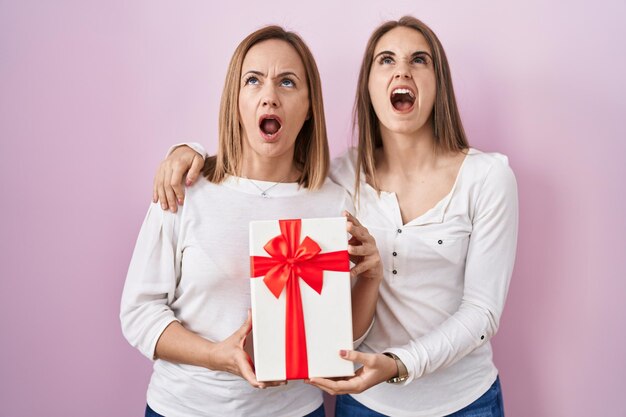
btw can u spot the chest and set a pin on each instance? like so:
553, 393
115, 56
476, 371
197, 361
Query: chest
417, 193
415, 198
434, 239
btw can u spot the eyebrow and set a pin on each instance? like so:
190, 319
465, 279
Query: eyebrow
282, 74
413, 55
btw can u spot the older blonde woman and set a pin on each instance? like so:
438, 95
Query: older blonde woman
187, 294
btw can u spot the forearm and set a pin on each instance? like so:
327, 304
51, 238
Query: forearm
196, 147
179, 345
364, 299
469, 328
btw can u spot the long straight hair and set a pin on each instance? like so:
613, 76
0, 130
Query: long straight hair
311, 155
446, 121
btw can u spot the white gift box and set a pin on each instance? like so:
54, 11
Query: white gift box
280, 261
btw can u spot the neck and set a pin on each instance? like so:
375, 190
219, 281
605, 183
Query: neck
270, 169
405, 153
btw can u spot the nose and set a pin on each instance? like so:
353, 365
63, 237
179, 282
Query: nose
270, 98
403, 72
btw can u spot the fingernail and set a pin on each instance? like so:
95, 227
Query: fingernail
188, 182
180, 201
343, 353
163, 206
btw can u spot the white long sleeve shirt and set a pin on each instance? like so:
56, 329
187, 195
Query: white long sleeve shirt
447, 274
446, 277
193, 267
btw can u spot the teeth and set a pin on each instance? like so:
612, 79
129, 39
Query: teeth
403, 91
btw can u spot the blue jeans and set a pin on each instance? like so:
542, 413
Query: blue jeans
316, 413
151, 413
488, 405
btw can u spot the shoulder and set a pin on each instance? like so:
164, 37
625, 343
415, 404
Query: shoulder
332, 196
482, 159
489, 180
200, 196
481, 166
331, 189
199, 189
343, 169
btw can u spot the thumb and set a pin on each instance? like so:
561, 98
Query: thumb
246, 327
196, 166
353, 356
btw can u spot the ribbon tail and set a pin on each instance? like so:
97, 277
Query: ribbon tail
295, 344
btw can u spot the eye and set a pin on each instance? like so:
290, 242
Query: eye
420, 60
251, 80
287, 83
386, 60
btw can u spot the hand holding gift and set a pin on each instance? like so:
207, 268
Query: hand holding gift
229, 356
363, 251
376, 368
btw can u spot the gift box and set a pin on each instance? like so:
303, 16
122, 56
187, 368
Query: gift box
301, 305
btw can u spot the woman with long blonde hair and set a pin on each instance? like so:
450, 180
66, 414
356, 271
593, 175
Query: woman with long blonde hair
187, 292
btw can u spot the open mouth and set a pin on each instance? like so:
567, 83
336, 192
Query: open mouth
402, 99
270, 125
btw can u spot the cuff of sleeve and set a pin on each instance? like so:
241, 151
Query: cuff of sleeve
360, 340
407, 360
151, 353
193, 145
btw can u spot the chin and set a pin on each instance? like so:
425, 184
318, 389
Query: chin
272, 150
403, 128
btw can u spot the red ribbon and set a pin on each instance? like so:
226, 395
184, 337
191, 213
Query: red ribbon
290, 259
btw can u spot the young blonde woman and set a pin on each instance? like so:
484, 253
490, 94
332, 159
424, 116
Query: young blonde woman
444, 216
186, 298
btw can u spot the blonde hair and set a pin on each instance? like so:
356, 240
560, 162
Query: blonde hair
311, 154
446, 121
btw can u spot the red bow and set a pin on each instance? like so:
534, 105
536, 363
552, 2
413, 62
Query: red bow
290, 259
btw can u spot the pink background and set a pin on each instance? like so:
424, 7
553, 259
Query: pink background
93, 93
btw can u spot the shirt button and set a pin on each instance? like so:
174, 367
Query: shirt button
394, 272
399, 230
395, 254
440, 241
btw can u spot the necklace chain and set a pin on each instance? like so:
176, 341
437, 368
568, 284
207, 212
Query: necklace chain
264, 191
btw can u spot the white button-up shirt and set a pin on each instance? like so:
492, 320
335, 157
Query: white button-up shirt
447, 273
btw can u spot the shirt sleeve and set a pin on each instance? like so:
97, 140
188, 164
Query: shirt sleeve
151, 281
193, 145
489, 265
